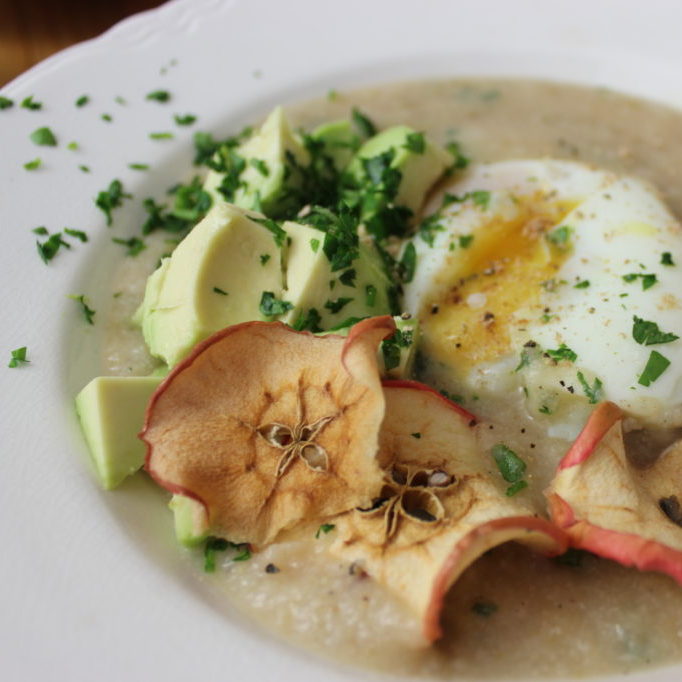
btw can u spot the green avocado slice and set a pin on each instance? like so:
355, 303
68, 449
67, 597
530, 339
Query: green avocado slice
340, 141
214, 278
190, 521
361, 290
419, 162
111, 412
269, 174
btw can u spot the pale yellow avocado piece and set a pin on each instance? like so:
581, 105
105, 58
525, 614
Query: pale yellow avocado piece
339, 139
111, 412
419, 170
190, 520
215, 278
266, 178
311, 284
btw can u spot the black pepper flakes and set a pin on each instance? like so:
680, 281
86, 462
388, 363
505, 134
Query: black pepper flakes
271, 568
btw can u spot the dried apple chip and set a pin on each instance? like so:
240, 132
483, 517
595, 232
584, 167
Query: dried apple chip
440, 507
613, 509
269, 427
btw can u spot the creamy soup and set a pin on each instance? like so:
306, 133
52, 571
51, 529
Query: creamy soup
513, 613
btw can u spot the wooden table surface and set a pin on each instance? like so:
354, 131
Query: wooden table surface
31, 30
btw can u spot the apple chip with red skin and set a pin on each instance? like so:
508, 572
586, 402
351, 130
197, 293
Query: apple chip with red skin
268, 427
441, 505
613, 509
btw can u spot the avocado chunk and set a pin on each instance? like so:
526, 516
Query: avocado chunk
111, 412
190, 520
340, 141
214, 278
322, 298
270, 161
391, 174
398, 352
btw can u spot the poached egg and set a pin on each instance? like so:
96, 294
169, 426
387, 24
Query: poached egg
557, 280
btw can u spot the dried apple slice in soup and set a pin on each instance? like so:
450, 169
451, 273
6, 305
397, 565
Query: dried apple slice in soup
440, 507
613, 509
269, 427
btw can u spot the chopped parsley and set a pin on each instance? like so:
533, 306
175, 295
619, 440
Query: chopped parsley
161, 136
264, 258
511, 466
112, 197
408, 263
363, 123
308, 322
134, 245
337, 305
561, 236
341, 242
593, 392
347, 277
278, 234
314, 245
33, 164
40, 230
158, 96
270, 306
186, 120
563, 352
324, 529
82, 101
261, 166
655, 366
48, 249
29, 103
191, 202
370, 295
5, 102
43, 137
72, 146
484, 608
515, 488
18, 357
481, 199
214, 545
647, 333
391, 348
138, 166
107, 117
583, 284
88, 313
415, 142
460, 161
428, 228
84, 169
648, 280
244, 553
78, 234
220, 291
416, 435
524, 361
667, 258
465, 240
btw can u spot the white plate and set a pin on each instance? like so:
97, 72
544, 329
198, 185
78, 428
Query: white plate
92, 588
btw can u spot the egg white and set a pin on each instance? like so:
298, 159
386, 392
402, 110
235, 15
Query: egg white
617, 226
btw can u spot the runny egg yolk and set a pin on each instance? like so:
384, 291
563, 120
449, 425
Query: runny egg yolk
503, 269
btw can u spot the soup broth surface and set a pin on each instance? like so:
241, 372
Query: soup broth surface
512, 614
